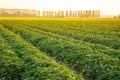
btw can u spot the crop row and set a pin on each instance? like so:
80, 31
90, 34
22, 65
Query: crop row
93, 64
85, 33
11, 65
87, 27
96, 47
101, 48
34, 65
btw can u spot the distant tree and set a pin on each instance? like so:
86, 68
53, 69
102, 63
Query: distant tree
119, 16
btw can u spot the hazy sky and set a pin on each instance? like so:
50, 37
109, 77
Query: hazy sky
109, 7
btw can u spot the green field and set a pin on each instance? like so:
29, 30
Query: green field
59, 49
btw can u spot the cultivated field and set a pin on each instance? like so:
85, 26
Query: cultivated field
59, 49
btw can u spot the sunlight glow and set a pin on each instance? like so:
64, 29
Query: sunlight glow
107, 7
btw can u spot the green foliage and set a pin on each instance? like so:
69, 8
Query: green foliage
38, 66
10, 64
90, 47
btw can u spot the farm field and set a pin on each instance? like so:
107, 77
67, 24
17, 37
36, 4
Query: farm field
59, 49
